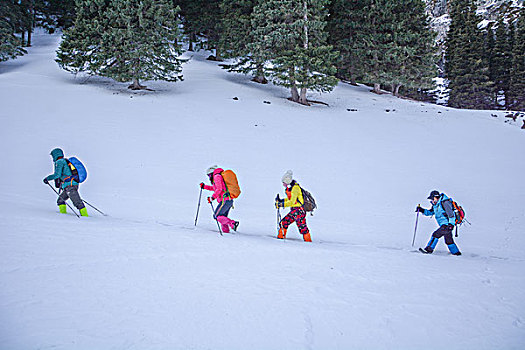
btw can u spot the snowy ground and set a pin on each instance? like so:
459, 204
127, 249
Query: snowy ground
145, 278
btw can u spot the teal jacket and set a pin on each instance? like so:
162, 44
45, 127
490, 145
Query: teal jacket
439, 211
62, 170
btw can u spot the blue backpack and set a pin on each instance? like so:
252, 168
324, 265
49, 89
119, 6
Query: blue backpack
78, 170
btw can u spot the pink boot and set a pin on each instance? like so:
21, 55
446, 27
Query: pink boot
225, 223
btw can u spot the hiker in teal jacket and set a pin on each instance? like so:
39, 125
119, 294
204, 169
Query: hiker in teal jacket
446, 219
64, 179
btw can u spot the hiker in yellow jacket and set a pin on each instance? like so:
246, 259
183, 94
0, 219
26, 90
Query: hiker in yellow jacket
294, 199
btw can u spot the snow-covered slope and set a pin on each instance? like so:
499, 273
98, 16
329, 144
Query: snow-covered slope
145, 278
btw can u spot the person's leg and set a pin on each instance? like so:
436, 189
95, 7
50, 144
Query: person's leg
301, 224
77, 201
431, 245
452, 247
61, 201
221, 214
285, 223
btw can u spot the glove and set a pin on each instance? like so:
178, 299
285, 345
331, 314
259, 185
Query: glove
279, 203
45, 181
210, 199
202, 185
58, 183
420, 209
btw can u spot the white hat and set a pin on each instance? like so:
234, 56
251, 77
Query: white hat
287, 177
211, 169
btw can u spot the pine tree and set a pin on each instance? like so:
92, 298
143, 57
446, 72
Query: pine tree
517, 72
502, 61
377, 43
292, 34
489, 56
466, 66
202, 18
81, 48
10, 45
236, 36
347, 31
126, 40
410, 60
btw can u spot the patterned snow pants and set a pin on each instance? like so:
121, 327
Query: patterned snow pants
299, 216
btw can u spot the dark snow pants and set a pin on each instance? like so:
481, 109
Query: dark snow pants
70, 192
297, 215
223, 208
444, 231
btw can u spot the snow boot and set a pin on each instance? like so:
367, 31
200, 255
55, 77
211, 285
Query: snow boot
307, 237
454, 249
62, 208
235, 225
83, 212
429, 249
282, 233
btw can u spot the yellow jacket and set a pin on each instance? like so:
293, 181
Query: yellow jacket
295, 197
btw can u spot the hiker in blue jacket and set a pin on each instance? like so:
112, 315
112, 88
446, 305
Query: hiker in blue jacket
67, 183
446, 219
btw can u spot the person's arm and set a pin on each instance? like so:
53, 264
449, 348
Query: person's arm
428, 212
58, 171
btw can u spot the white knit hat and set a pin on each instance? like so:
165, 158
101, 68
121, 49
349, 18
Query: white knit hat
211, 169
287, 177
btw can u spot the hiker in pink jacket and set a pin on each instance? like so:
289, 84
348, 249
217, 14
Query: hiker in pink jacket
221, 195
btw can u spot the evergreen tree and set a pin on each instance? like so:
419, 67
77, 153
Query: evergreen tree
466, 66
10, 45
502, 61
202, 18
378, 42
517, 72
347, 32
410, 60
81, 48
126, 40
292, 34
489, 55
57, 14
236, 36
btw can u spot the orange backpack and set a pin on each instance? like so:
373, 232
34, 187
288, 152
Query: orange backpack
232, 185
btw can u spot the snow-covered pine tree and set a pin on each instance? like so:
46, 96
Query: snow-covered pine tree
517, 73
145, 42
126, 40
10, 45
81, 48
293, 35
466, 66
236, 35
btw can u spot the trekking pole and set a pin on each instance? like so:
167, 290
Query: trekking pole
213, 210
415, 229
73, 210
278, 219
278, 215
86, 202
198, 207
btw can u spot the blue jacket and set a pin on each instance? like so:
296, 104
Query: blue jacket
62, 170
440, 213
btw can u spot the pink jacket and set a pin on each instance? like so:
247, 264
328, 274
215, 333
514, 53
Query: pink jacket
218, 187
